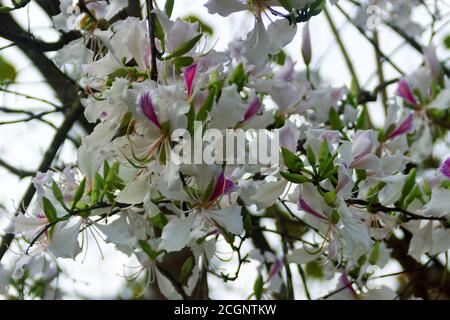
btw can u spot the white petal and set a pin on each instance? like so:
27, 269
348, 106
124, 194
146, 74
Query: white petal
65, 239
135, 191
166, 287
176, 234
230, 218
439, 205
224, 8
267, 194
117, 232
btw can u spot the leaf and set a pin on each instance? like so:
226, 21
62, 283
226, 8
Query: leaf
168, 7
310, 156
335, 121
258, 287
294, 177
239, 77
49, 210
361, 122
408, 186
7, 71
447, 41
291, 160
316, 7
186, 268
57, 193
206, 106
79, 193
185, 47
287, 4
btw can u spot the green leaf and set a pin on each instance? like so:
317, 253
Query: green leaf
291, 160
258, 287
79, 193
168, 7
206, 106
7, 71
408, 186
287, 4
310, 156
239, 77
294, 177
57, 193
361, 121
374, 255
185, 47
159, 220
447, 41
49, 210
186, 269
335, 121
316, 7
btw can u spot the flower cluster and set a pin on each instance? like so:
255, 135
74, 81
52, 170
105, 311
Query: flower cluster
339, 192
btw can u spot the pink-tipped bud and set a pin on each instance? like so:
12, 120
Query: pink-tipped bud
306, 45
445, 168
189, 75
404, 91
254, 107
404, 127
148, 109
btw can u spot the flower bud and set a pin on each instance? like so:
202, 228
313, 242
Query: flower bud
306, 45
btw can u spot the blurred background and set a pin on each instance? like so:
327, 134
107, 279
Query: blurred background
22, 144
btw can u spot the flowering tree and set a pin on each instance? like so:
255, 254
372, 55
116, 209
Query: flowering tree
344, 196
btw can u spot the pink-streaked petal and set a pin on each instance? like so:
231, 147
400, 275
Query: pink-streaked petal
404, 91
189, 75
229, 186
148, 109
219, 187
275, 268
404, 127
254, 107
302, 205
445, 168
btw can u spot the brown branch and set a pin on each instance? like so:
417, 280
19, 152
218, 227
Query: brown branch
151, 33
18, 172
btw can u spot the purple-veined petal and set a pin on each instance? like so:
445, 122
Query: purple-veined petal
148, 109
275, 268
404, 127
254, 107
229, 186
404, 91
189, 75
302, 205
219, 187
445, 168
